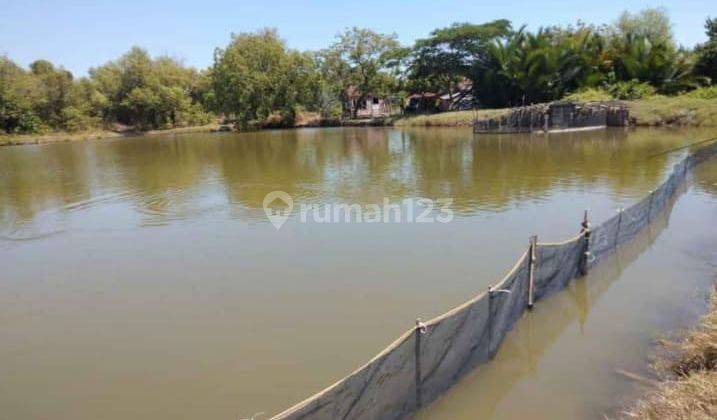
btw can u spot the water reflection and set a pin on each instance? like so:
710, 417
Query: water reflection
137, 282
482, 391
184, 177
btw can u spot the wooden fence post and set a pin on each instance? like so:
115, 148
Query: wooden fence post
531, 271
585, 230
420, 330
619, 222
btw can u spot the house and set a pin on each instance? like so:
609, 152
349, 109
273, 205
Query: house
460, 99
423, 102
368, 105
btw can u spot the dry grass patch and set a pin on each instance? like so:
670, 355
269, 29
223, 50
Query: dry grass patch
682, 110
692, 363
693, 397
449, 119
26, 139
677, 110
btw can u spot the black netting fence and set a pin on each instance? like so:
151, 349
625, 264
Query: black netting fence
428, 359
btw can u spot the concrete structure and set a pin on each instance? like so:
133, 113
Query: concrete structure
557, 117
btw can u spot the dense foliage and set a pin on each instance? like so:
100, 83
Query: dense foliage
635, 56
147, 93
257, 77
134, 90
707, 53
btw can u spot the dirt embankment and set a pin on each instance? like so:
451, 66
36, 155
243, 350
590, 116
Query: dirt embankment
689, 390
656, 111
25, 139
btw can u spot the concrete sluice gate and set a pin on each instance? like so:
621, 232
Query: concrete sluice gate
427, 360
556, 117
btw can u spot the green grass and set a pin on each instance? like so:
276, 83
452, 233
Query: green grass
692, 109
589, 95
448, 119
690, 391
676, 110
23, 139
703, 92
684, 110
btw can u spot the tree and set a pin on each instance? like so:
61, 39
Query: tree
706, 64
434, 68
19, 92
365, 59
458, 51
146, 93
652, 24
643, 50
519, 68
57, 85
256, 75
334, 78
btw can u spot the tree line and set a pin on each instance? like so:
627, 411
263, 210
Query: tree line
256, 76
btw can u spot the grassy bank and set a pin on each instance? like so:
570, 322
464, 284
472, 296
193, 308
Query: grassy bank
303, 120
656, 111
678, 111
448, 119
690, 391
25, 139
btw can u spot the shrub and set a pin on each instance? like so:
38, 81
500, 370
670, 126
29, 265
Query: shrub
703, 93
632, 89
590, 95
75, 119
194, 114
29, 123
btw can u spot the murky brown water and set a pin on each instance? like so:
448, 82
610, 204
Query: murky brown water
140, 277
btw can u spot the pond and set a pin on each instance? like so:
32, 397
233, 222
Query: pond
142, 278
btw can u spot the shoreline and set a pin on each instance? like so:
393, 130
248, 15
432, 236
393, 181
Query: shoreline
689, 371
677, 111
62, 137
665, 112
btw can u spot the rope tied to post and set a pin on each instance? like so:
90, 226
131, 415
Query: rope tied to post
585, 226
589, 257
382, 387
493, 290
585, 231
531, 269
421, 326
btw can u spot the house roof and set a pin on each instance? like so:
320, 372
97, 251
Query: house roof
353, 92
425, 95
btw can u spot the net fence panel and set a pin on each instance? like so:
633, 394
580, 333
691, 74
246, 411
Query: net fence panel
667, 190
556, 265
508, 301
469, 335
424, 362
702, 154
633, 220
384, 388
660, 199
627, 224
602, 239
452, 345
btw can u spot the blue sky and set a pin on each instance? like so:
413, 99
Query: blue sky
80, 34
